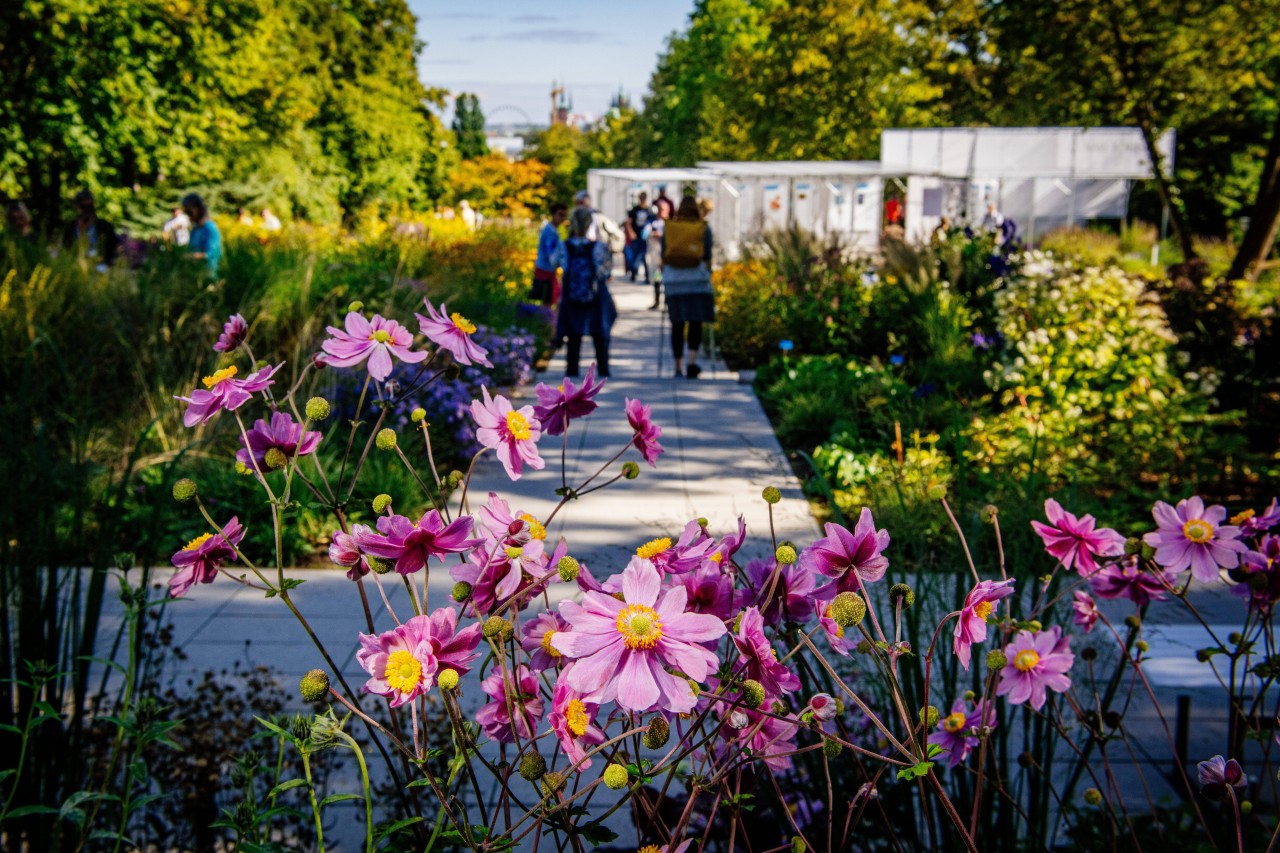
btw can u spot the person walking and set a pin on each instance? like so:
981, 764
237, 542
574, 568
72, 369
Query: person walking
546, 286
586, 305
638, 219
686, 277
92, 237
270, 222
663, 204
177, 228
205, 243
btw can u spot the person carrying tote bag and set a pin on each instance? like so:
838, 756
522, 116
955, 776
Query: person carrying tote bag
686, 278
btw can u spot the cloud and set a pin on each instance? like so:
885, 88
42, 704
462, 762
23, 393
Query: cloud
461, 16
562, 35
534, 19
444, 62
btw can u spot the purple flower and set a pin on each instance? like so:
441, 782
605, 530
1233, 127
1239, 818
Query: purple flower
517, 693
452, 333
223, 391
767, 737
1193, 536
1127, 580
1074, 541
689, 552
961, 730
566, 402
403, 663
824, 707
1218, 776
647, 432
760, 661
199, 561
1259, 574
849, 557
512, 433
840, 644
233, 334
572, 719
622, 648
536, 639
345, 551
1038, 662
411, 543
1251, 524
710, 591
282, 433
1085, 611
376, 340
971, 624
508, 567
794, 592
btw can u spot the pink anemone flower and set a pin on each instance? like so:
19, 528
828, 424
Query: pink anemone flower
403, 663
199, 561
1193, 536
377, 340
536, 640
849, 556
412, 543
622, 649
768, 738
233, 334
512, 433
1218, 776
282, 433
1038, 662
573, 720
689, 551
223, 391
566, 402
1127, 579
758, 658
710, 591
452, 332
961, 731
1074, 541
344, 551
795, 592
1084, 610
515, 706
971, 624
646, 432
1251, 524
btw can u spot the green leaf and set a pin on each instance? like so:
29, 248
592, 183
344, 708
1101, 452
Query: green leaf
285, 786
390, 829
935, 750
597, 833
419, 783
24, 811
338, 798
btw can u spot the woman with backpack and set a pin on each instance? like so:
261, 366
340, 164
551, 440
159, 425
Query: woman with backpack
586, 306
686, 278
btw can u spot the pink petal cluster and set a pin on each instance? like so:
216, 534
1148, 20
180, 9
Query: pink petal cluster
1127, 579
1251, 523
971, 624
344, 551
452, 333
281, 433
795, 591
566, 402
376, 340
852, 557
200, 560
1219, 777
223, 391
536, 636
622, 649
573, 720
757, 660
1084, 610
1193, 536
412, 543
1074, 541
234, 331
1038, 662
433, 642
960, 731
515, 706
512, 433
646, 432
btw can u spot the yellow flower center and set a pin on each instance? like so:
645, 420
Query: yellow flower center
462, 324
1241, 518
650, 848
560, 388
576, 716
518, 426
653, 548
198, 541
1025, 660
1198, 531
403, 671
839, 630
536, 530
717, 557
640, 626
546, 644
982, 609
220, 376
381, 336
953, 722
514, 553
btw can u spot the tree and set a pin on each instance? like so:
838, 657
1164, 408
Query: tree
560, 147
468, 127
496, 186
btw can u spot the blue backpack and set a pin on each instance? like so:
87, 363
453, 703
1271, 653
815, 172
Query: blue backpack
580, 275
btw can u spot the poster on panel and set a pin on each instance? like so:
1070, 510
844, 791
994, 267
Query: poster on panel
805, 209
776, 211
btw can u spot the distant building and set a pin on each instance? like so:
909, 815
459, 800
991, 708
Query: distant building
561, 106
619, 102
506, 143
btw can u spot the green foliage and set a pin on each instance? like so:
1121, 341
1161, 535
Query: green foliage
468, 127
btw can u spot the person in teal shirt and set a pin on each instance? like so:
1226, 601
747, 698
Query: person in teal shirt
205, 243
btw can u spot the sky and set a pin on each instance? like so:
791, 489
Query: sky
509, 51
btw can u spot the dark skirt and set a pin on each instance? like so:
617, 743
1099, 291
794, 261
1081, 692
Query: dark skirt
594, 318
692, 308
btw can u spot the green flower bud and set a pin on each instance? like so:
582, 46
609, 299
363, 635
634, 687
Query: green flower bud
1246, 807
630, 470
300, 727
702, 522
461, 591
929, 716
1133, 545
276, 459
1093, 796
314, 686
864, 646
786, 555
936, 492
418, 415
771, 495
798, 845
569, 568
533, 766
1133, 621
448, 679
124, 560
969, 696
997, 660
185, 489
658, 732
1204, 655
901, 593
379, 565
452, 372
455, 478
848, 609
386, 439
752, 693
245, 816
317, 409
1235, 637
381, 502
552, 781
494, 626
832, 748
243, 469
1143, 646
616, 777
355, 307
988, 513
1147, 551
